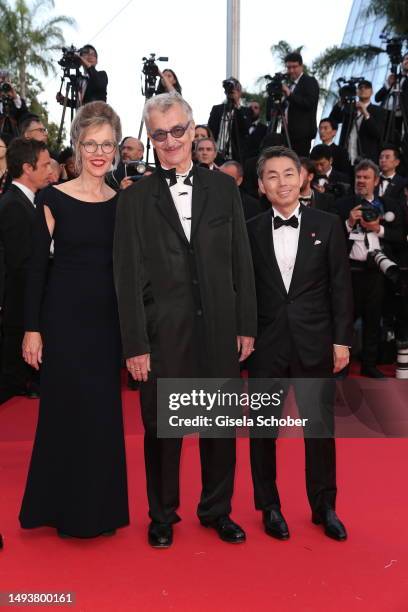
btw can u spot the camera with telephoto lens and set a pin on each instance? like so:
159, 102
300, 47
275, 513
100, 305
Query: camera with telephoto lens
229, 85
150, 68
274, 86
338, 190
70, 58
393, 48
348, 88
388, 267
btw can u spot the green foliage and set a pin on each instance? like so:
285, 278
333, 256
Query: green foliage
342, 56
395, 13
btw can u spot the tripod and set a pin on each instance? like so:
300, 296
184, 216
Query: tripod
71, 97
351, 115
396, 127
277, 118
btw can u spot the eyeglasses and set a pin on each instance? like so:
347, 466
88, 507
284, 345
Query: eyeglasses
43, 130
177, 131
91, 146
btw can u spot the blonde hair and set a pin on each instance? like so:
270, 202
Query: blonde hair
92, 115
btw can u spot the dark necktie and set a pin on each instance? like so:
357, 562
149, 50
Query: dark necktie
279, 222
172, 176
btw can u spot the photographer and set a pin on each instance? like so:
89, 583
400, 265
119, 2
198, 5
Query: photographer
302, 97
131, 150
370, 223
362, 122
12, 106
309, 195
229, 122
328, 179
168, 83
391, 183
327, 132
393, 97
92, 84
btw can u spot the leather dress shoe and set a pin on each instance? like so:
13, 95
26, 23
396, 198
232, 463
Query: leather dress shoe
227, 530
333, 527
372, 372
275, 524
160, 535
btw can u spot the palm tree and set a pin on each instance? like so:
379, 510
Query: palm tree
395, 14
27, 41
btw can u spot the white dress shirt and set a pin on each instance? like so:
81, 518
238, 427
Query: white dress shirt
182, 197
384, 184
285, 242
27, 192
359, 250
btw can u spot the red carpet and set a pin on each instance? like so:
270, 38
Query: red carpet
369, 572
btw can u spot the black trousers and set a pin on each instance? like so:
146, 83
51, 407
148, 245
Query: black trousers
320, 452
162, 463
368, 292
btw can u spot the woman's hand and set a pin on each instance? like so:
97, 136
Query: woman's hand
32, 349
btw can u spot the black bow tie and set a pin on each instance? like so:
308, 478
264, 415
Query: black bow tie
385, 178
172, 176
279, 222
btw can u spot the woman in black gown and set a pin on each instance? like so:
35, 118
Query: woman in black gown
77, 476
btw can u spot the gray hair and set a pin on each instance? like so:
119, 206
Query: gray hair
272, 152
234, 164
164, 102
91, 115
367, 164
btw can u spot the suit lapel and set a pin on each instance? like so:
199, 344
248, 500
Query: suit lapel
304, 250
165, 204
264, 241
27, 205
199, 199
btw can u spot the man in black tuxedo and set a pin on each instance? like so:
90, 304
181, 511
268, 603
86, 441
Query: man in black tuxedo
252, 206
362, 128
186, 294
229, 123
391, 183
310, 196
28, 162
384, 231
304, 328
396, 103
92, 84
302, 98
327, 132
256, 131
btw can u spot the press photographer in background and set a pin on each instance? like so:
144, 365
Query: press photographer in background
309, 194
168, 83
371, 223
93, 83
328, 132
131, 154
391, 183
362, 122
326, 178
393, 96
12, 106
229, 122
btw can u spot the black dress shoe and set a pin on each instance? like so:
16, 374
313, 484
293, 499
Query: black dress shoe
275, 524
160, 535
371, 372
227, 530
333, 527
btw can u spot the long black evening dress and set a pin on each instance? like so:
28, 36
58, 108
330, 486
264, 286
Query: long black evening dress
77, 476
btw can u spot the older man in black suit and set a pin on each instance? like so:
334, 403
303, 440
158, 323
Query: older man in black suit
305, 327
28, 163
187, 305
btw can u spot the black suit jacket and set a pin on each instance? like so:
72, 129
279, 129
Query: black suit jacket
393, 239
341, 160
395, 189
16, 221
253, 140
169, 287
240, 126
317, 312
382, 95
322, 201
370, 132
302, 109
96, 87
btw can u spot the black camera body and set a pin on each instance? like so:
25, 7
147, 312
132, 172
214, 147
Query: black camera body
348, 89
393, 48
5, 88
229, 85
70, 59
151, 71
370, 213
274, 86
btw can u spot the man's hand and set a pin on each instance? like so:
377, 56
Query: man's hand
125, 183
60, 98
85, 62
245, 346
371, 226
32, 349
355, 215
285, 90
363, 108
139, 367
391, 80
341, 357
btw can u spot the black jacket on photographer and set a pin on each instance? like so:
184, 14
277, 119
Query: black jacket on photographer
92, 87
369, 132
241, 121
